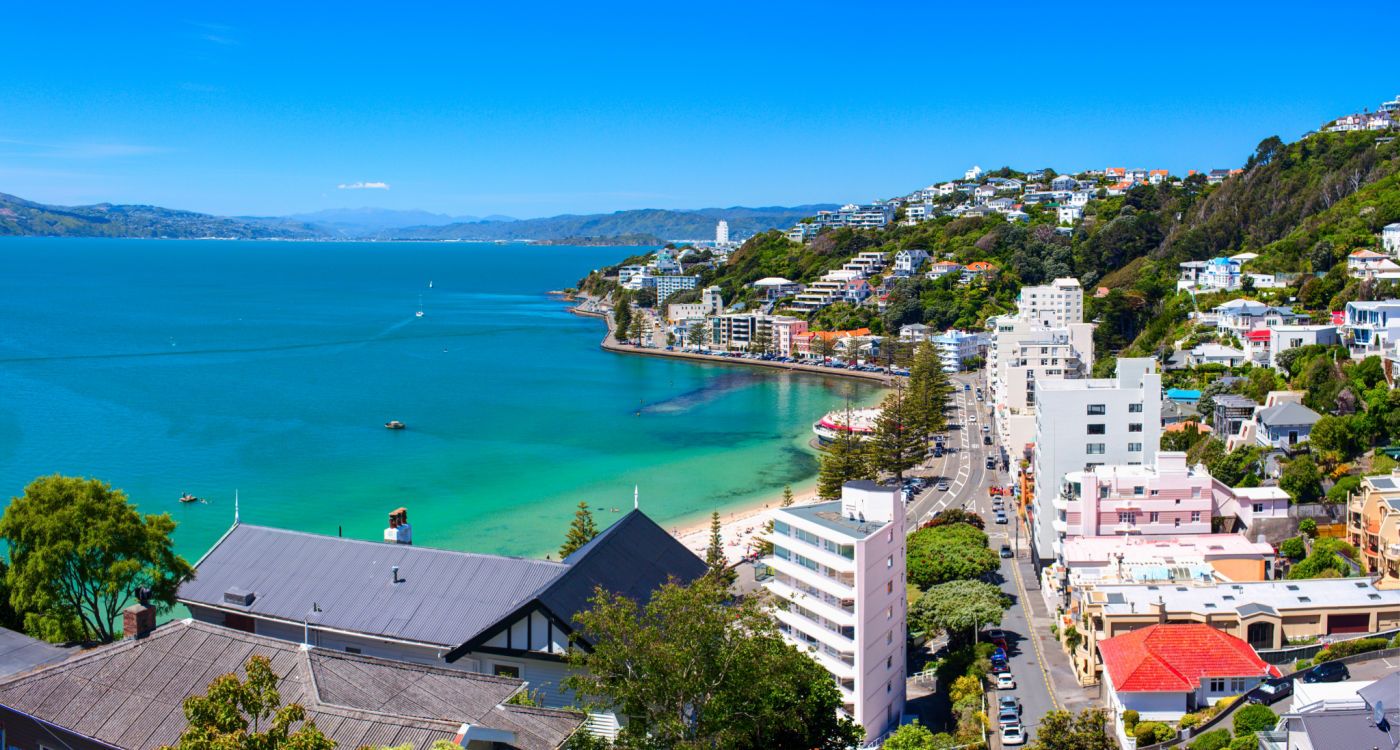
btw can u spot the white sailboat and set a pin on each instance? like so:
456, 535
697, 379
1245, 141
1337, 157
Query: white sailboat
419, 314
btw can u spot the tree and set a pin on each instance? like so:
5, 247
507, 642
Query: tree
957, 551
844, 459
928, 391
714, 553
233, 714
898, 443
698, 335
1308, 528
79, 552
694, 670
637, 328
916, 737
959, 608
787, 496
1061, 730
1217, 739
581, 531
1331, 433
1254, 717
822, 346
1301, 480
622, 315
957, 515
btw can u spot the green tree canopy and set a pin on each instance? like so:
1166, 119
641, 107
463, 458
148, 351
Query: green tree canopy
78, 553
844, 459
581, 530
695, 670
948, 552
959, 608
238, 715
1254, 717
899, 442
1301, 480
1087, 730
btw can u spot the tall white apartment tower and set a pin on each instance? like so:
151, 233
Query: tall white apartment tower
722, 232
839, 587
1054, 305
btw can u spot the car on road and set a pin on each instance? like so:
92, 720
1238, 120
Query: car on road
1006, 551
999, 666
1013, 735
991, 462
942, 485
1005, 681
1008, 701
999, 653
938, 451
1272, 690
972, 417
1009, 717
967, 387
1001, 518
1328, 671
994, 634
986, 439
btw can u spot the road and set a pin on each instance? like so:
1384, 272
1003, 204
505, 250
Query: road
965, 469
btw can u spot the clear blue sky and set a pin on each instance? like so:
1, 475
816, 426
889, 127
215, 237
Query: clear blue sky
532, 108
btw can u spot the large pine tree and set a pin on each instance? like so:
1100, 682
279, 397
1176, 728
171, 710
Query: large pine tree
844, 459
898, 443
581, 531
929, 389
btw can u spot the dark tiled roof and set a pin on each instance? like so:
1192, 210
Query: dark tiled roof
443, 597
20, 653
129, 694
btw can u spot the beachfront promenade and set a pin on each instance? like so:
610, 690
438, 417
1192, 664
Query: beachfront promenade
611, 344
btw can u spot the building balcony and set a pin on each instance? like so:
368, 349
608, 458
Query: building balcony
814, 552
815, 631
1127, 528
844, 586
817, 602
1059, 526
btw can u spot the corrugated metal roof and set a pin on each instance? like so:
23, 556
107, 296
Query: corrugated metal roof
20, 653
443, 597
354, 700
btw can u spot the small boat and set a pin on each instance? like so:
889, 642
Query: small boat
419, 314
188, 498
394, 424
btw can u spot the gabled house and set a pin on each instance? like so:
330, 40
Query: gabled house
505, 616
128, 694
943, 268
1369, 264
1158, 176
1064, 182
1216, 354
1284, 422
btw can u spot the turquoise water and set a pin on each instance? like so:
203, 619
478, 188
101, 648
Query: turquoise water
270, 368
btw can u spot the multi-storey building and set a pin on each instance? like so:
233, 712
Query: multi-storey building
786, 331
669, 285
1020, 356
1371, 327
1373, 525
1087, 423
1390, 238
839, 580
742, 331
957, 347
722, 232
908, 262
1053, 305
1162, 500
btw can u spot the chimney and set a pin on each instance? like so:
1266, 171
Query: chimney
138, 620
399, 531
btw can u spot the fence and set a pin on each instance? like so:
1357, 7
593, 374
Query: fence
1291, 654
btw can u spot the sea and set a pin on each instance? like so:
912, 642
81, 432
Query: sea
259, 375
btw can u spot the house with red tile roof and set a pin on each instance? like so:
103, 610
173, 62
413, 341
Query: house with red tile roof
1167, 670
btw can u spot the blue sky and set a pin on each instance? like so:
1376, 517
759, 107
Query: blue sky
533, 109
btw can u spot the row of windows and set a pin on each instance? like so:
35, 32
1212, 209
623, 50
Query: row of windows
847, 551
1098, 410
1130, 516
1097, 449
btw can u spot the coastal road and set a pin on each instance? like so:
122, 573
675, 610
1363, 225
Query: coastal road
969, 479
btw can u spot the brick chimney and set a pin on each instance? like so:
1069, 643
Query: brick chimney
138, 620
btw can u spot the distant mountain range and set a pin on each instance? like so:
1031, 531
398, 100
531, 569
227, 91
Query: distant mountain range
643, 226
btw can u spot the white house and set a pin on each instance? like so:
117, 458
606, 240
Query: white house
839, 584
1064, 182
1165, 671
1369, 264
908, 262
1390, 238
973, 173
773, 287
1283, 338
914, 332
1222, 274
1216, 354
1371, 327
1068, 215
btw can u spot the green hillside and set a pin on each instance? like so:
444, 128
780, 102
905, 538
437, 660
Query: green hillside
22, 217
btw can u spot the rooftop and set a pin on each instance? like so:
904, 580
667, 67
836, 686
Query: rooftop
20, 653
1287, 413
828, 515
1174, 658
128, 694
1279, 596
1161, 551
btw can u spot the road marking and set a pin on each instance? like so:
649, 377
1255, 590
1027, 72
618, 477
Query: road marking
1035, 641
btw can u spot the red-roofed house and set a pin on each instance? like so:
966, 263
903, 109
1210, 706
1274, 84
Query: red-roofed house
1165, 671
1256, 345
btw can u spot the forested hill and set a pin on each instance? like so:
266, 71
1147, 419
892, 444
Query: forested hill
1302, 207
22, 217
655, 222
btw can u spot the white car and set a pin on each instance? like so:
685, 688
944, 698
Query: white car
972, 417
1005, 681
1013, 735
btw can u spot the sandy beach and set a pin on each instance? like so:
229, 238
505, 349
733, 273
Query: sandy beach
739, 528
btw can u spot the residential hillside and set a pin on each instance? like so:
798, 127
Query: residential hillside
22, 217
697, 224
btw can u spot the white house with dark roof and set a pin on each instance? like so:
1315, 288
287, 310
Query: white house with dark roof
1284, 425
492, 614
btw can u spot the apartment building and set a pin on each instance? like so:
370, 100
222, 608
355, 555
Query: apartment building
669, 285
1373, 525
742, 331
786, 331
1054, 305
1084, 424
711, 303
957, 347
839, 580
1371, 327
872, 216
1023, 354
1164, 499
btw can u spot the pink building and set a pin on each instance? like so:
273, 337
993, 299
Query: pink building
1168, 499
785, 333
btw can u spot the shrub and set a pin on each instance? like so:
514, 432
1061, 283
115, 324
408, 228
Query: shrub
1188, 721
1292, 548
1152, 732
1254, 718
1302, 664
1130, 719
1245, 742
1308, 527
1216, 739
1348, 648
1395, 642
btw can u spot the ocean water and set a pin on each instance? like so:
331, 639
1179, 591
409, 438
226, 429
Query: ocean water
269, 368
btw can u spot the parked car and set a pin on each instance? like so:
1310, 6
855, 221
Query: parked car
1328, 671
942, 485
1000, 666
1006, 551
1001, 518
986, 439
1008, 701
1006, 682
999, 653
994, 634
1009, 717
1272, 691
1013, 735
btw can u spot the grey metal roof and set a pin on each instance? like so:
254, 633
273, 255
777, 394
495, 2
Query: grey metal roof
1344, 730
20, 653
128, 694
828, 515
1386, 691
1246, 610
1287, 414
443, 598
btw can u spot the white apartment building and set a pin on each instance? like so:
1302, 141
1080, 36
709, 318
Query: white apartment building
1086, 423
839, 581
722, 232
711, 303
1059, 303
1023, 354
669, 285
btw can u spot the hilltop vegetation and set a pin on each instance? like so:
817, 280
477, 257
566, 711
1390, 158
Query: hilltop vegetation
22, 217
655, 222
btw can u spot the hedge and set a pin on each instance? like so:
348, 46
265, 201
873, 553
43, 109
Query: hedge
1342, 649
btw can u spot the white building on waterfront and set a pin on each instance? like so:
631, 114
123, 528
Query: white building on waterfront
722, 232
839, 582
1086, 423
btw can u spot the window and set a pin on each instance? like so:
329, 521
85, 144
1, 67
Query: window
352, 650
1138, 489
1135, 408
889, 561
1097, 410
889, 637
889, 613
1195, 516
781, 528
1154, 516
1177, 520
1125, 517
889, 587
1134, 447
1096, 429
1257, 507
505, 670
889, 662
1217, 684
1135, 427
1094, 449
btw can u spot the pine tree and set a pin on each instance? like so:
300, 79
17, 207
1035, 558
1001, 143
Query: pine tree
897, 444
929, 389
639, 326
844, 459
581, 531
622, 315
787, 495
714, 554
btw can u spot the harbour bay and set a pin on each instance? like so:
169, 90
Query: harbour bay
270, 368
